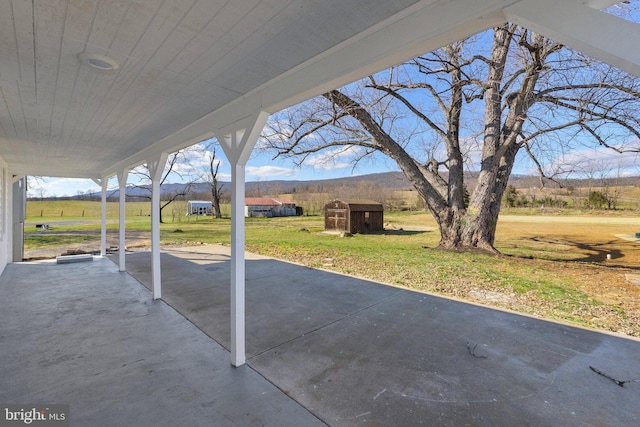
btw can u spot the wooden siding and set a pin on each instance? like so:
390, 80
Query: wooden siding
336, 216
361, 216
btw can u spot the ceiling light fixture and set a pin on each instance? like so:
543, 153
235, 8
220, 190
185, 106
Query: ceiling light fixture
99, 62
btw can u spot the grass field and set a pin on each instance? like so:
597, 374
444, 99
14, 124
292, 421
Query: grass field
553, 266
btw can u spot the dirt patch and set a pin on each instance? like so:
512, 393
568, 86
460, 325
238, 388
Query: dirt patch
596, 252
134, 240
609, 285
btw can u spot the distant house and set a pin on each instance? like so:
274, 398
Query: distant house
266, 207
199, 207
354, 216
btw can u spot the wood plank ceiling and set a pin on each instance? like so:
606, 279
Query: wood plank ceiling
178, 61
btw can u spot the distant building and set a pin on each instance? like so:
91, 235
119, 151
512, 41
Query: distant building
265, 207
199, 207
354, 216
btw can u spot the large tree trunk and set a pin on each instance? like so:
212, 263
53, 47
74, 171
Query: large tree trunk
475, 226
469, 230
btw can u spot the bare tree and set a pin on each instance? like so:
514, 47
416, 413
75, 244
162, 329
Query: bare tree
42, 193
217, 189
34, 187
468, 110
610, 182
171, 168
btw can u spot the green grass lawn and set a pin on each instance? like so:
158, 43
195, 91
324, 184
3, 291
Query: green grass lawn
404, 255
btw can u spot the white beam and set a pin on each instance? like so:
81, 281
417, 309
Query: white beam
103, 204
239, 138
237, 141
122, 182
588, 30
156, 167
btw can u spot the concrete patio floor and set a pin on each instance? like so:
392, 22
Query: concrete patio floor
91, 337
320, 346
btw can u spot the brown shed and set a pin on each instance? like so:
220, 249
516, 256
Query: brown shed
354, 216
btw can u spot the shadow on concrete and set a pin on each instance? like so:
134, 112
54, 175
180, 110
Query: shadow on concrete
89, 336
354, 352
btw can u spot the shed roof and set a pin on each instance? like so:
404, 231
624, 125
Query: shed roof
265, 201
358, 205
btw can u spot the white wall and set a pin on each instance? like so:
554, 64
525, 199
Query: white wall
6, 223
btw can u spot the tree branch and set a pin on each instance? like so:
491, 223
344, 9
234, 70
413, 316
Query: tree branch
411, 107
432, 186
585, 111
539, 167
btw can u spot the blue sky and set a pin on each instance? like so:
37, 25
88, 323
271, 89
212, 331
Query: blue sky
261, 167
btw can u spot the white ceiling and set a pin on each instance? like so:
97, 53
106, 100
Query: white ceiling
187, 66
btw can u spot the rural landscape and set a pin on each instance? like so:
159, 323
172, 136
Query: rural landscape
458, 221
568, 254
320, 213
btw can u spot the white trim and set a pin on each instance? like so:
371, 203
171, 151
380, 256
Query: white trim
238, 141
122, 183
156, 167
3, 203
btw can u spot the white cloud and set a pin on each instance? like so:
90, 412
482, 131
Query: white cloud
200, 162
142, 169
60, 187
599, 160
269, 171
192, 167
337, 158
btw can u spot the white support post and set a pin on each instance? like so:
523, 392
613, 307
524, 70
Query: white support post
156, 167
103, 227
18, 214
238, 141
237, 265
122, 182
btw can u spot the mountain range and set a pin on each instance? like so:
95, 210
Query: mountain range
386, 180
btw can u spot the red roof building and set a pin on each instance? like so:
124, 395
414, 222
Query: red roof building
267, 207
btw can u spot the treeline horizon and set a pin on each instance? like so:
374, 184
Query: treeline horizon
379, 187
